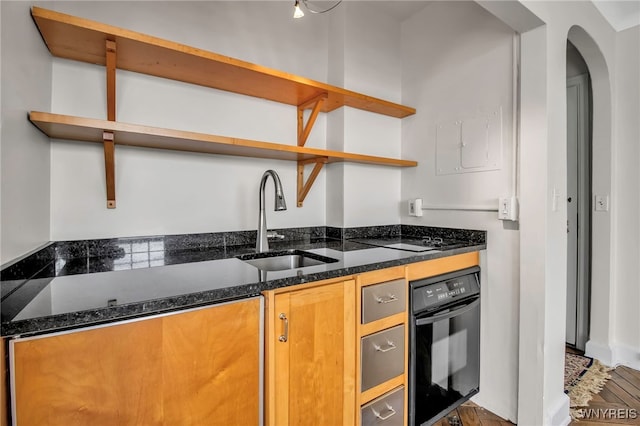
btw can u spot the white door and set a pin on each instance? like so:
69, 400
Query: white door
572, 212
578, 210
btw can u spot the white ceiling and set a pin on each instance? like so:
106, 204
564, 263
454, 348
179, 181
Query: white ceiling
401, 9
621, 14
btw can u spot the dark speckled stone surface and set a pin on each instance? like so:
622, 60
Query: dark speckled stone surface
71, 284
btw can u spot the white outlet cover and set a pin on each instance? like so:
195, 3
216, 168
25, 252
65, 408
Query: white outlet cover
602, 203
412, 208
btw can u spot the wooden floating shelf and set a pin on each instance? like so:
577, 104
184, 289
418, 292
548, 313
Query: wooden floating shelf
92, 130
84, 40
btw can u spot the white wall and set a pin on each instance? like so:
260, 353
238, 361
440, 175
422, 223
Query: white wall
626, 199
24, 151
166, 192
162, 192
543, 179
365, 43
535, 372
546, 347
335, 120
457, 62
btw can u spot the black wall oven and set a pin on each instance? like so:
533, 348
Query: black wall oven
444, 336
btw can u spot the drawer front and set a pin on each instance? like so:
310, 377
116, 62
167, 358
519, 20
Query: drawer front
388, 410
383, 300
382, 356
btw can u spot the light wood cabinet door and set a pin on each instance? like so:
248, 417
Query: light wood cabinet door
4, 398
211, 366
193, 368
104, 376
312, 364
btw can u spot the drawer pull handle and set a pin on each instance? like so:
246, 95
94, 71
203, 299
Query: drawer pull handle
390, 346
390, 412
390, 298
284, 337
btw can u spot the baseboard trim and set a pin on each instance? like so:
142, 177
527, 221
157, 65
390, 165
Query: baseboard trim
559, 415
625, 355
501, 410
613, 355
599, 351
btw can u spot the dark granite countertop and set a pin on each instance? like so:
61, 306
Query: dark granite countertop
80, 283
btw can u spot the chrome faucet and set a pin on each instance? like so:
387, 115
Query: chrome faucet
262, 243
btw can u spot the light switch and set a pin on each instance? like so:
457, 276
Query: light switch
508, 208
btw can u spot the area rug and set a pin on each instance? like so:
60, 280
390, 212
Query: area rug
583, 378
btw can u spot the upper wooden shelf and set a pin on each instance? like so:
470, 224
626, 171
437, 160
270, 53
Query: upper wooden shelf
59, 126
84, 40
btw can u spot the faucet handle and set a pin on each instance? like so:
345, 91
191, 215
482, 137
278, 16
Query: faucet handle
274, 234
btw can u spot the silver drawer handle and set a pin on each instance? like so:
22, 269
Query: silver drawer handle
390, 412
390, 298
390, 346
284, 337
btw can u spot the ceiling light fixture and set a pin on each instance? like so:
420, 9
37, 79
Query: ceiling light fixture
298, 13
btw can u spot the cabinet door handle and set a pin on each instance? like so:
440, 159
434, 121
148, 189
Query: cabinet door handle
284, 337
390, 346
390, 412
390, 298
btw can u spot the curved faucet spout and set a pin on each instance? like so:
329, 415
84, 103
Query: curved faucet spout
262, 243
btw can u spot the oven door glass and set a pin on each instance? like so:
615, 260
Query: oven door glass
445, 348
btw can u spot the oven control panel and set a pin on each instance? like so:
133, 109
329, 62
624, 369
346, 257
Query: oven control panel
444, 292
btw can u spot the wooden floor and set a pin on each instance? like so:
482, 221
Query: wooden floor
618, 404
469, 414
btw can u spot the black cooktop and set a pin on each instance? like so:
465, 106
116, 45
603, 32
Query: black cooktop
414, 244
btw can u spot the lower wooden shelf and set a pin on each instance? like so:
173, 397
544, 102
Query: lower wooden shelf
59, 126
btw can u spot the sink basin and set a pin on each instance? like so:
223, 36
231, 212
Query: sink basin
283, 260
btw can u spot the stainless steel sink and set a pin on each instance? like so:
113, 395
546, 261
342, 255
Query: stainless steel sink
283, 260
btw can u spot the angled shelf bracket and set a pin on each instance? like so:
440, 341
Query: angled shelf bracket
315, 104
304, 187
109, 168
304, 129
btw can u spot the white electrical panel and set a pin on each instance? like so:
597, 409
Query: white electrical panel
472, 144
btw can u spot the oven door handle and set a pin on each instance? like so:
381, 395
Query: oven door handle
457, 311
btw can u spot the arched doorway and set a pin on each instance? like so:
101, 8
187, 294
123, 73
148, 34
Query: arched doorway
597, 344
578, 198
